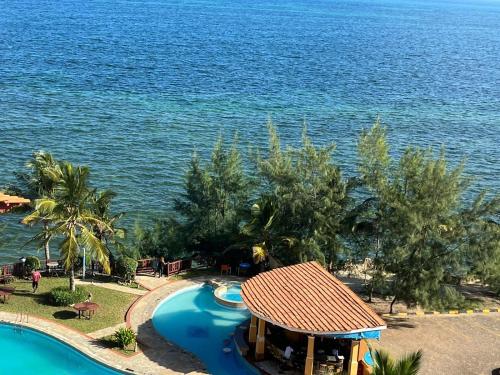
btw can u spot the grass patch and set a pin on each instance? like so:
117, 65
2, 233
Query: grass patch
116, 280
110, 343
113, 304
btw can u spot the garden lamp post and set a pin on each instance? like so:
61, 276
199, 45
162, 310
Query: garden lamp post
84, 264
23, 261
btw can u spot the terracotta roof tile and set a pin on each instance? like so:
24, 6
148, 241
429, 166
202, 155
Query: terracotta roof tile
305, 297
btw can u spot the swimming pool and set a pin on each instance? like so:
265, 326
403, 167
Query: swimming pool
192, 319
233, 293
26, 351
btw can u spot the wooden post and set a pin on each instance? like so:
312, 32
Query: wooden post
252, 334
353, 360
261, 340
308, 369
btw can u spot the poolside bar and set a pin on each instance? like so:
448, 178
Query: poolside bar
308, 312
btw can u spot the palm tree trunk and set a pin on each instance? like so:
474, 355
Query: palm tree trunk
72, 286
46, 243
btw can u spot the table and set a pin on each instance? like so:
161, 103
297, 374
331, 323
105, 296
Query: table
52, 266
91, 307
5, 294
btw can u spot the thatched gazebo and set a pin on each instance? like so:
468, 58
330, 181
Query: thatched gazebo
307, 300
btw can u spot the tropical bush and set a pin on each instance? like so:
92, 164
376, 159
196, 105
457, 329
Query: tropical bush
385, 365
31, 263
62, 296
125, 337
126, 267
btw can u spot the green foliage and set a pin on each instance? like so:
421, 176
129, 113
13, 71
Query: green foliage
215, 194
420, 223
71, 213
482, 253
305, 200
39, 182
125, 337
32, 263
62, 296
126, 267
385, 365
167, 238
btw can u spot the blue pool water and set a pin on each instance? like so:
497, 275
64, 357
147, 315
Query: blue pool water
30, 352
233, 294
132, 87
193, 320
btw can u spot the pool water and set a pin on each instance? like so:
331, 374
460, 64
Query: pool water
25, 351
193, 320
233, 294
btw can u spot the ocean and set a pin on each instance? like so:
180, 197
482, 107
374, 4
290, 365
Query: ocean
132, 88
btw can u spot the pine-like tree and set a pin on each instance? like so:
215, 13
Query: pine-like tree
309, 197
213, 201
423, 221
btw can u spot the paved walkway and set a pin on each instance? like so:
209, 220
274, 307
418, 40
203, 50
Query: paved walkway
462, 344
112, 286
164, 357
150, 282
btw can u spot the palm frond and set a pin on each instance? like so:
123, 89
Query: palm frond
70, 249
95, 247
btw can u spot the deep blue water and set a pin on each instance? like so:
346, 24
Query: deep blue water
131, 88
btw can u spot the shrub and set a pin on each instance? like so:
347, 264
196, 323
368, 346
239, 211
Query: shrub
31, 263
126, 267
62, 296
125, 337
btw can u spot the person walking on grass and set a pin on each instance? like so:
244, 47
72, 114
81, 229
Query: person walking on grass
35, 279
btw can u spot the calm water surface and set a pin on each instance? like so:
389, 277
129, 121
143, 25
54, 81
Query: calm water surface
131, 88
31, 352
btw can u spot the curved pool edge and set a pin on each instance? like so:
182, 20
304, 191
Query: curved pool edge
218, 295
139, 318
198, 285
90, 357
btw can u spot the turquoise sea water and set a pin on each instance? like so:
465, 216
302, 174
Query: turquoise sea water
131, 88
193, 320
29, 352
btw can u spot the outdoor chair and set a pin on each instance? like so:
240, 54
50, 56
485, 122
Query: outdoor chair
225, 268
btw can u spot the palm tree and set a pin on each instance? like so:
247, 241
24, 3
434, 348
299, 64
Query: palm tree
40, 182
72, 215
384, 365
108, 233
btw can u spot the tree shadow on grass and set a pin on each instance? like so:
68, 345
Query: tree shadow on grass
65, 315
399, 323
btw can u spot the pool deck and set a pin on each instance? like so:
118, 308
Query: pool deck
157, 356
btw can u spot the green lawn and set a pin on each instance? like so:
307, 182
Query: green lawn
113, 305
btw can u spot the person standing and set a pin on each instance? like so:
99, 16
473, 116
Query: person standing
161, 265
155, 264
35, 279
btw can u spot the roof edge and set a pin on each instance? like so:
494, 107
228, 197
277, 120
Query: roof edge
317, 333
